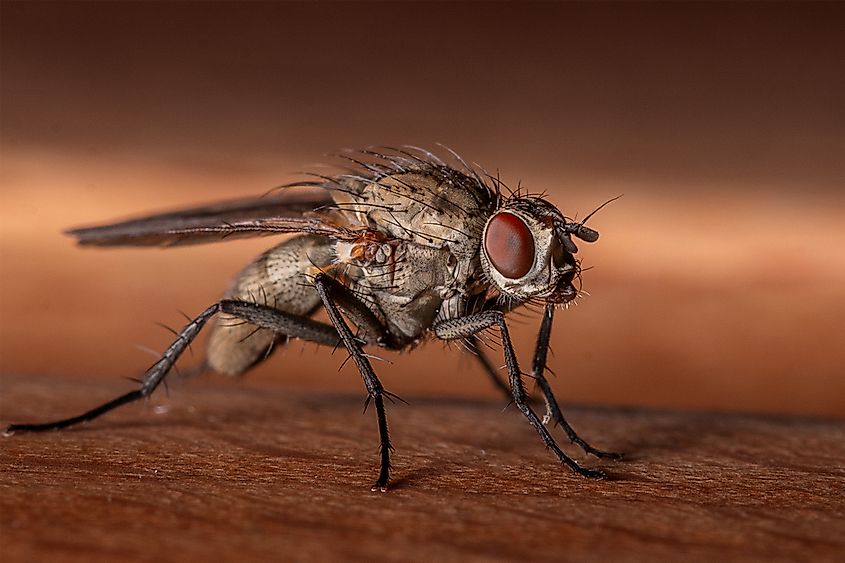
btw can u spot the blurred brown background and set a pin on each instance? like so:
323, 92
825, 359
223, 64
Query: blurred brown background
719, 280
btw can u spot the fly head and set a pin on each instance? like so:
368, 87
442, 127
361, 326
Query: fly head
528, 252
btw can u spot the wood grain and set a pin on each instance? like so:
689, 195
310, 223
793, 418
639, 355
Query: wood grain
229, 471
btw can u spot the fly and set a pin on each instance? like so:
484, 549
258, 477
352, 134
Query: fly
403, 246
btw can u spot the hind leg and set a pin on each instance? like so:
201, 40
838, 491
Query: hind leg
259, 315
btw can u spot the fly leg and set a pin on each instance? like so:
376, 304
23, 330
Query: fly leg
154, 376
336, 296
553, 411
492, 372
475, 350
260, 315
467, 326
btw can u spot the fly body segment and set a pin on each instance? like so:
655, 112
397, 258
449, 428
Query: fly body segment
400, 247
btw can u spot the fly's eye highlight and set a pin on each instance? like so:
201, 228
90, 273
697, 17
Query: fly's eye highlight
509, 245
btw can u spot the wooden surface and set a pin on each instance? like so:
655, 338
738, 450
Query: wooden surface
234, 471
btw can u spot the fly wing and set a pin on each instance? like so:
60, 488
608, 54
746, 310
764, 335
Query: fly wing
286, 212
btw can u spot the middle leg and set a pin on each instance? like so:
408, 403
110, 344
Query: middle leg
334, 296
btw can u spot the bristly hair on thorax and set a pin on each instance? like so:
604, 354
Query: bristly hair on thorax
374, 164
387, 189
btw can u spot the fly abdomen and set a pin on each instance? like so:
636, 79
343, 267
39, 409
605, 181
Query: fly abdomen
279, 278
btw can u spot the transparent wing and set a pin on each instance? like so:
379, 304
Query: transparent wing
286, 212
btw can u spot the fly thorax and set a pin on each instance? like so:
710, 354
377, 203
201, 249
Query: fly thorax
371, 256
424, 209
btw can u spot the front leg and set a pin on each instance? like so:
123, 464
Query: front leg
470, 325
553, 411
332, 293
481, 357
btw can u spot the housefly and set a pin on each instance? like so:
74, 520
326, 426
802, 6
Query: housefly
401, 246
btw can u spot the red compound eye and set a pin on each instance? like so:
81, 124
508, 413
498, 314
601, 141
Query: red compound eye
509, 245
